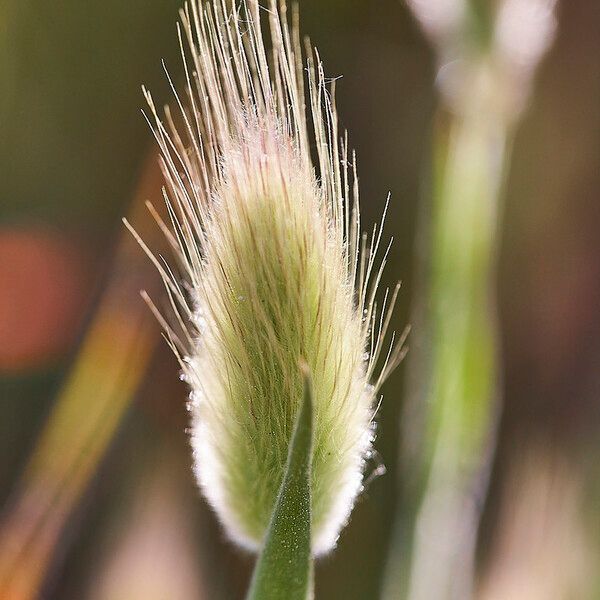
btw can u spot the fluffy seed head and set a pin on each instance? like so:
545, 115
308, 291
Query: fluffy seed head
271, 268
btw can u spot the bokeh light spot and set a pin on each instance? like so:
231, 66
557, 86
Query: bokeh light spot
42, 293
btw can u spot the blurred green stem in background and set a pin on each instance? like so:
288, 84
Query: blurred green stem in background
460, 421
483, 82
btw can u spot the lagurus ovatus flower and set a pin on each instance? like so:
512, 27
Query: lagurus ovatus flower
270, 269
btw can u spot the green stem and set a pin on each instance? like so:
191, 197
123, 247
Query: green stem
284, 568
463, 374
433, 548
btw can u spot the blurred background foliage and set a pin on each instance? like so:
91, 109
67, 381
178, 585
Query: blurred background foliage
97, 495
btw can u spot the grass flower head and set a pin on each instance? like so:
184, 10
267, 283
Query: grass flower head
271, 269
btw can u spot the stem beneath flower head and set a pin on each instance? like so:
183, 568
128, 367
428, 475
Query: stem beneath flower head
284, 568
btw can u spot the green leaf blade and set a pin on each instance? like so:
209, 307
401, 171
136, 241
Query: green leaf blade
284, 570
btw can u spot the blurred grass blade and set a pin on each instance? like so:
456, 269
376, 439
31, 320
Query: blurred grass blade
85, 417
283, 570
455, 399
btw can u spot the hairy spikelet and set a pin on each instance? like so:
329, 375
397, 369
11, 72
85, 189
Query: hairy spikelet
271, 269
